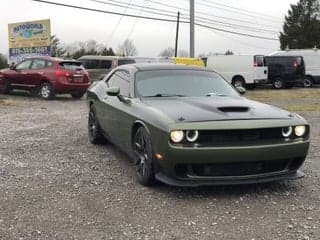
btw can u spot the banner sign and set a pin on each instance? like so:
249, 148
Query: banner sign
29, 39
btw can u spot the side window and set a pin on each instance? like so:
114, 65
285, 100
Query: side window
121, 79
38, 64
24, 65
49, 64
106, 64
91, 64
259, 61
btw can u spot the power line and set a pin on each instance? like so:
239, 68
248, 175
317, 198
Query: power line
154, 19
201, 19
117, 25
138, 9
108, 12
237, 33
240, 9
235, 11
179, 8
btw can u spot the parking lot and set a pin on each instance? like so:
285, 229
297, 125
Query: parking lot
55, 185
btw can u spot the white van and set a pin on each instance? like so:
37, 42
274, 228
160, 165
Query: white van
240, 70
311, 59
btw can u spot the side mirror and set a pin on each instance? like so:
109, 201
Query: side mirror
113, 91
13, 67
241, 90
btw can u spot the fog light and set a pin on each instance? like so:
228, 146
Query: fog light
159, 156
286, 131
192, 135
176, 136
300, 130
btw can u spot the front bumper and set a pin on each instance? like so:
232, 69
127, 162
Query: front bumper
231, 165
293, 175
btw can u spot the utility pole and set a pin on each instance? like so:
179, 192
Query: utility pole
177, 36
192, 28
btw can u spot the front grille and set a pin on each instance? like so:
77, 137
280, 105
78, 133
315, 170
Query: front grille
225, 137
237, 169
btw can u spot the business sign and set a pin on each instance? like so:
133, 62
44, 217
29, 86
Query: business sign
29, 39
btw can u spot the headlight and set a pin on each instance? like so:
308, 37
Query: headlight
176, 136
300, 130
192, 135
286, 131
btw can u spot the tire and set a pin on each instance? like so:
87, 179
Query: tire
6, 89
94, 130
46, 91
77, 95
307, 82
143, 154
278, 83
238, 82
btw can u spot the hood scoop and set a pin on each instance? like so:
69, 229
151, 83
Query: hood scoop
233, 109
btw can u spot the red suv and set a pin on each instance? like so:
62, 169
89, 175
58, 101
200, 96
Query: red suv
46, 76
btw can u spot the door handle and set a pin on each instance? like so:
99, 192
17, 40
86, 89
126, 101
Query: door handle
23, 73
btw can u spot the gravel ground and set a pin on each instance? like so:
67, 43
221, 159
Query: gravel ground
55, 185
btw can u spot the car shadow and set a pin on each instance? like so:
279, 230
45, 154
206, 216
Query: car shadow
34, 96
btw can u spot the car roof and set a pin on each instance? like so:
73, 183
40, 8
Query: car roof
165, 66
98, 57
51, 59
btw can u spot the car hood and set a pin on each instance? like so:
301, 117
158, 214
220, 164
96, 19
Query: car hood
214, 108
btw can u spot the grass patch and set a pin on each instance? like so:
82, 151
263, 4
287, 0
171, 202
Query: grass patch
286, 94
7, 101
313, 107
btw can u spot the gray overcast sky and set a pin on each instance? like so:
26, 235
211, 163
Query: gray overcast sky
150, 37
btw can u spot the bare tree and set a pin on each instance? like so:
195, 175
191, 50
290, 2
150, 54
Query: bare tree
169, 52
127, 48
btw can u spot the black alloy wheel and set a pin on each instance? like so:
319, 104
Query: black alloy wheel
143, 154
94, 130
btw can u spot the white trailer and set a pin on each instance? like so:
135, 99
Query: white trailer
311, 59
240, 70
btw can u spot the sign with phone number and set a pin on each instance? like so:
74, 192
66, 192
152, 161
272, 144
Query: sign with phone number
30, 50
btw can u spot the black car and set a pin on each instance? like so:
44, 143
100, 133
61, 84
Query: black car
285, 71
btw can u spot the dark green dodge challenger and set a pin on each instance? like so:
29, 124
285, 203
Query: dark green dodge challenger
186, 126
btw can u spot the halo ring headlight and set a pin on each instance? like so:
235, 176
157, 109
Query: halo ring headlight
176, 136
286, 131
192, 135
300, 130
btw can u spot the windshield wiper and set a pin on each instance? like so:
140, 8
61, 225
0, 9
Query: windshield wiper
166, 95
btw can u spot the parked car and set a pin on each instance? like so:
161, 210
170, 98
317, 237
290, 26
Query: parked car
285, 71
311, 58
47, 76
99, 66
187, 126
239, 70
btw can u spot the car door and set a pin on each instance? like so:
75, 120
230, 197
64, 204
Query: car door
36, 72
115, 120
19, 77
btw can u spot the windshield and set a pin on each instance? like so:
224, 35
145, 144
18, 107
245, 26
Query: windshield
162, 83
